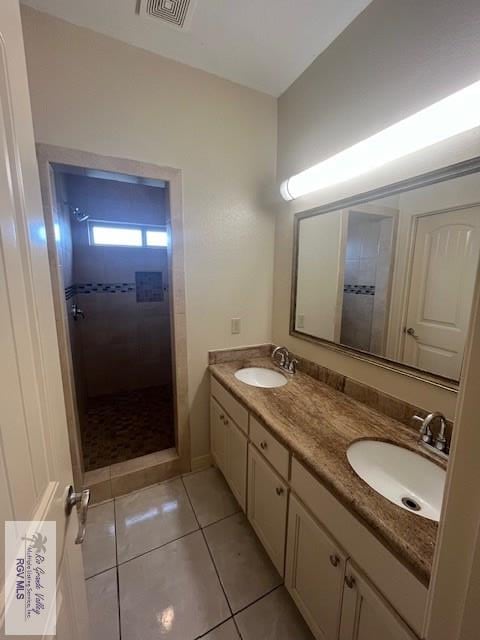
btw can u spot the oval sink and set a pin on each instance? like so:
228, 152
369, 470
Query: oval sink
402, 476
260, 377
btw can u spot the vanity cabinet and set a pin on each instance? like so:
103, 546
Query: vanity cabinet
314, 573
267, 506
229, 450
365, 613
319, 549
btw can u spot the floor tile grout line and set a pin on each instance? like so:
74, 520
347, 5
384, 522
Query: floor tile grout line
95, 575
210, 524
115, 530
119, 609
266, 594
235, 623
150, 486
213, 628
117, 572
190, 502
144, 553
210, 554
202, 529
213, 563
239, 510
216, 571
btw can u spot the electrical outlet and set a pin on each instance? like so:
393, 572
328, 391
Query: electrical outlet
235, 326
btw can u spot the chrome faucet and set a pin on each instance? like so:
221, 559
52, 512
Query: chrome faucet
283, 359
437, 443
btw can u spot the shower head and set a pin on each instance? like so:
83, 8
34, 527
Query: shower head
78, 215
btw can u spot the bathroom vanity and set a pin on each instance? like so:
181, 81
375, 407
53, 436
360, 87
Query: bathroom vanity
356, 565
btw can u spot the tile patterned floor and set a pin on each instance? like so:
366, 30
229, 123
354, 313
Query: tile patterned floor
179, 561
127, 425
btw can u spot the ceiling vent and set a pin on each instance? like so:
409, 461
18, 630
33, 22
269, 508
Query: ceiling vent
176, 13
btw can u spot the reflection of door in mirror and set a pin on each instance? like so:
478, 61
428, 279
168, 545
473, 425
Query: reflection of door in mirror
369, 258
445, 256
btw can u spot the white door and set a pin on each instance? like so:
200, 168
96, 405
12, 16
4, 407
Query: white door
35, 466
366, 615
267, 506
314, 572
444, 266
236, 460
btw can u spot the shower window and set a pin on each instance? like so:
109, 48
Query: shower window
107, 234
156, 238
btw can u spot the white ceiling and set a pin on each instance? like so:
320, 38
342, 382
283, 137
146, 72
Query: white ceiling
262, 44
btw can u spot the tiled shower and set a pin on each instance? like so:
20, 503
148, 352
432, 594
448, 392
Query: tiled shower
367, 277
117, 304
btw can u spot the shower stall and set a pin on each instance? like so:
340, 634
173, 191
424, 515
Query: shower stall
112, 237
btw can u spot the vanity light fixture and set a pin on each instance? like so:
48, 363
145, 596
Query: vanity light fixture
457, 113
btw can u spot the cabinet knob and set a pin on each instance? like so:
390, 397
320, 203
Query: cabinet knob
222, 417
334, 560
350, 581
263, 445
280, 491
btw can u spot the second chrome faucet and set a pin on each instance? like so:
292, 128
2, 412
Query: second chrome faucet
282, 358
435, 442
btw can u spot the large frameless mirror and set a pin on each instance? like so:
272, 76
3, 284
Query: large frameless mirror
390, 275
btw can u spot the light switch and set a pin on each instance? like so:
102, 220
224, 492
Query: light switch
235, 326
300, 321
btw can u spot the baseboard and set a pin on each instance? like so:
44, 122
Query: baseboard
202, 462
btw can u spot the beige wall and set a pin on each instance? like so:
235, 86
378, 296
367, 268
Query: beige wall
96, 94
394, 59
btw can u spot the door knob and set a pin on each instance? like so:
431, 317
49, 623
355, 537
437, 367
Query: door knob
411, 332
83, 499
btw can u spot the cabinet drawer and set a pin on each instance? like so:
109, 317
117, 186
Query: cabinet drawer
273, 451
235, 410
401, 588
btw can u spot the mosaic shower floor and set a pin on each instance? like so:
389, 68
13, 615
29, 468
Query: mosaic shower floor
126, 425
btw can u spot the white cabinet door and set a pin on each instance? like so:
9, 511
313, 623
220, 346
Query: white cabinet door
267, 506
218, 434
366, 615
314, 573
236, 462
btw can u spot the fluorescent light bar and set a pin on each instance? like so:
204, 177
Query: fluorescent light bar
444, 119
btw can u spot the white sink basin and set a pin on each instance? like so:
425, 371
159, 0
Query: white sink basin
259, 377
402, 476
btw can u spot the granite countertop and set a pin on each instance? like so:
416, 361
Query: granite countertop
317, 424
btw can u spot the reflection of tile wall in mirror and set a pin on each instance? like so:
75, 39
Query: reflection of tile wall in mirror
368, 272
